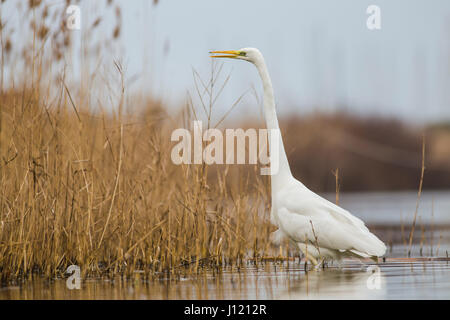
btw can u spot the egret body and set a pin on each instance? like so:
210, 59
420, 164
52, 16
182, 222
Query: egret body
321, 229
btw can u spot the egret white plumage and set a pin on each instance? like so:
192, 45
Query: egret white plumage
321, 229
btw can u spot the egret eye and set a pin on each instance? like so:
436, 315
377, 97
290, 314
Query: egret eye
242, 53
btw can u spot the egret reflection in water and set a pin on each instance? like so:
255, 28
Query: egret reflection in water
367, 282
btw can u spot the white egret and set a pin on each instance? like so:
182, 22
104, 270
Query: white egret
321, 229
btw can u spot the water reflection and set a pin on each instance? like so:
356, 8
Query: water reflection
358, 283
396, 279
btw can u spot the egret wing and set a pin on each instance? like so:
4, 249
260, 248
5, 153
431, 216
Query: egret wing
310, 217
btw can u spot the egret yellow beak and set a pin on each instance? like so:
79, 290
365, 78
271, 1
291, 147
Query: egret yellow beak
226, 54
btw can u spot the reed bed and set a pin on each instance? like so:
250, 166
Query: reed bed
100, 191
83, 186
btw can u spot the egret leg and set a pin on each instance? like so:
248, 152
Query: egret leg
312, 259
308, 256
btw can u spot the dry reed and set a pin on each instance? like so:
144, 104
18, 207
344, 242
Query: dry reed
94, 188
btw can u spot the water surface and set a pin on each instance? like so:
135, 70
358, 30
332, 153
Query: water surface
390, 280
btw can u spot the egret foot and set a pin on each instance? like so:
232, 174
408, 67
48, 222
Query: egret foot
320, 265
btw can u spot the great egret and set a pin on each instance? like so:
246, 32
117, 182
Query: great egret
321, 229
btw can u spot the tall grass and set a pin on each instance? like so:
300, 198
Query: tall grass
98, 189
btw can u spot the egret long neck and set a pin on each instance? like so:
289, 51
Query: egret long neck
272, 124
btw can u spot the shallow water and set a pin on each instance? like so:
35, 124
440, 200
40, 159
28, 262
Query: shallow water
390, 280
387, 214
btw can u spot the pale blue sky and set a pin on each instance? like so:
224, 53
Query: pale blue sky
320, 54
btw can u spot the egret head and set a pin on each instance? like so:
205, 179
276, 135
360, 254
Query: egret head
249, 54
